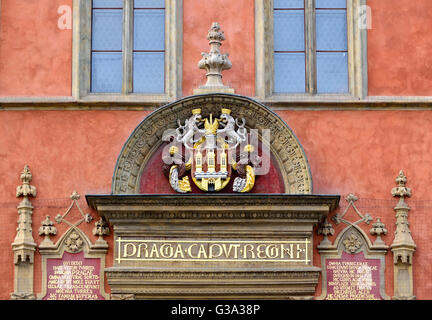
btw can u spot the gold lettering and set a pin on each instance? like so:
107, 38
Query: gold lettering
272, 251
202, 251
189, 250
246, 250
154, 253
125, 250
211, 253
289, 251
179, 250
260, 251
166, 250
140, 248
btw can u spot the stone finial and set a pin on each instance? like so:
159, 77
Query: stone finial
24, 246
326, 229
26, 189
403, 246
378, 228
214, 63
101, 229
47, 229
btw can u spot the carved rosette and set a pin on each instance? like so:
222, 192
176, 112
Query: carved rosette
352, 243
74, 243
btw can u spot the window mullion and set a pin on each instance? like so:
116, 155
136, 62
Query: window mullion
127, 46
310, 46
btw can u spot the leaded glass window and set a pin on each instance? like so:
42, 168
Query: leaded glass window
128, 46
310, 46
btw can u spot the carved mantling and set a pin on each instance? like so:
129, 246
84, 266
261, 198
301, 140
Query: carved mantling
147, 138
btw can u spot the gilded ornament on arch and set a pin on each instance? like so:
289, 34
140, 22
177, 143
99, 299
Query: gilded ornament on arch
211, 148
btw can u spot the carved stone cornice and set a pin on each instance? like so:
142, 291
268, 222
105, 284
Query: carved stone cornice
282, 284
213, 206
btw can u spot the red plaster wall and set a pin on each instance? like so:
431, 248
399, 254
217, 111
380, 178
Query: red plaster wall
357, 152
361, 152
236, 19
400, 47
65, 151
35, 55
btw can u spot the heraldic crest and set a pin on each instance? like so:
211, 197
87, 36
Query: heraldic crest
210, 148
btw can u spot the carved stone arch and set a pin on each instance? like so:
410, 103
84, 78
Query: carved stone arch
365, 244
147, 138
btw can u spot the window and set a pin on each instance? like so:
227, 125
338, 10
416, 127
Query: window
120, 49
315, 47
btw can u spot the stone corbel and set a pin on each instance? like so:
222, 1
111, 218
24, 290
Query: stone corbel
403, 246
24, 246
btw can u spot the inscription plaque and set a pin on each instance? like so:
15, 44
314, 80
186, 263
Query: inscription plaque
73, 277
353, 277
212, 250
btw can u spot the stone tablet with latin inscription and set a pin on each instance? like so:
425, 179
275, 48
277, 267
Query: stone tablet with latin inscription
353, 277
73, 277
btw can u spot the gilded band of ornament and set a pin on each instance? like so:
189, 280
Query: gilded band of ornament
213, 250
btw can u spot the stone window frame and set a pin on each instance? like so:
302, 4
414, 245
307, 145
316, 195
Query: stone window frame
81, 57
264, 48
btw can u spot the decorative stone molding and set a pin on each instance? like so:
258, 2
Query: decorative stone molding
325, 229
378, 228
24, 246
235, 219
403, 246
101, 229
147, 138
73, 241
214, 63
353, 241
47, 229
85, 216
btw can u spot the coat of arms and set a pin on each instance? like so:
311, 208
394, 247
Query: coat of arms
211, 148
